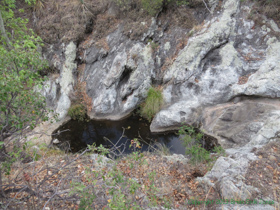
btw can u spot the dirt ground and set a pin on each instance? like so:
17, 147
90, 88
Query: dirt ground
264, 173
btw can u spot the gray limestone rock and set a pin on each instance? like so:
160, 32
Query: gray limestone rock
66, 80
235, 125
199, 46
227, 79
59, 87
266, 81
245, 207
119, 82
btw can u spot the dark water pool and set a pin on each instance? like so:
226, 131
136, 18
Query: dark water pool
81, 134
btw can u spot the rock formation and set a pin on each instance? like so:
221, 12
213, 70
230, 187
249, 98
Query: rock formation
225, 79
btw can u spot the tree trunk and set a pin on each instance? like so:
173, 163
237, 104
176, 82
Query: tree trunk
3, 32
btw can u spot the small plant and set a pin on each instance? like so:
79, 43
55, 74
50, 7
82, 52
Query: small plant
135, 143
162, 149
192, 141
120, 191
220, 151
77, 112
152, 104
154, 46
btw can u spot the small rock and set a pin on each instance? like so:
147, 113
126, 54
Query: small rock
272, 158
56, 141
35, 148
236, 100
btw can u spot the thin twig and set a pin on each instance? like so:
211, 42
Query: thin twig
207, 7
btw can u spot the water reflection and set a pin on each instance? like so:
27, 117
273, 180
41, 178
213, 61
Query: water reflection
83, 133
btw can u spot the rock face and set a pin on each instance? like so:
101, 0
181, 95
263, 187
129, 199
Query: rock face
225, 79
120, 80
235, 125
222, 75
219, 69
57, 90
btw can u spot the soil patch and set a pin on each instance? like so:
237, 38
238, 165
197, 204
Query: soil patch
264, 173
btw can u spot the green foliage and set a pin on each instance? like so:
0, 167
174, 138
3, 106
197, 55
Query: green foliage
153, 45
14, 155
220, 151
120, 191
77, 112
135, 143
100, 150
152, 104
152, 6
21, 105
192, 141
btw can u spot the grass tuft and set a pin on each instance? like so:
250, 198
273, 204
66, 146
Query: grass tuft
77, 112
152, 104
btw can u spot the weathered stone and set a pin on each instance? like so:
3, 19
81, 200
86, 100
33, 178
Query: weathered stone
43, 132
230, 189
272, 158
101, 161
228, 173
118, 82
66, 80
223, 80
151, 31
266, 81
177, 158
55, 141
171, 118
245, 207
199, 46
237, 124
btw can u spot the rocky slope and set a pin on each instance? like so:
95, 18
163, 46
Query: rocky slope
223, 75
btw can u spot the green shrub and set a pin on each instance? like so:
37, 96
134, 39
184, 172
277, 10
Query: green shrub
153, 45
77, 112
152, 6
192, 141
152, 104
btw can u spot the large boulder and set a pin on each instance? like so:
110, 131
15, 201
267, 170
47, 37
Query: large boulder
120, 81
218, 66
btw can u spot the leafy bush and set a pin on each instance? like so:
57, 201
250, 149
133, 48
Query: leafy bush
152, 6
152, 104
21, 105
77, 112
192, 141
